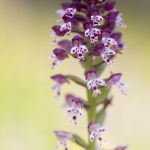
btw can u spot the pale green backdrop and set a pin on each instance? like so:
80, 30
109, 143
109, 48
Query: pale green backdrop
28, 113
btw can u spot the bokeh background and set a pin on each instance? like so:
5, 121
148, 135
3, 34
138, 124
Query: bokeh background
28, 113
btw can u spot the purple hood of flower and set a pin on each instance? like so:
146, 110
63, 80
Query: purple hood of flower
77, 40
69, 98
114, 78
117, 36
57, 30
60, 53
65, 44
93, 11
98, 49
104, 33
63, 134
78, 102
88, 24
109, 5
60, 78
90, 73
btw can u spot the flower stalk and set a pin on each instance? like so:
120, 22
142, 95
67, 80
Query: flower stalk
94, 44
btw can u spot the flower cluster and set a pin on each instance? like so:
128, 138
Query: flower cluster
93, 43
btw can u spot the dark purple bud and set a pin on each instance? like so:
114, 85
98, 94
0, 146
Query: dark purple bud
109, 25
66, 5
98, 49
58, 32
79, 6
88, 25
104, 33
114, 78
109, 5
65, 44
60, 53
90, 74
116, 36
77, 40
59, 78
112, 16
93, 11
78, 102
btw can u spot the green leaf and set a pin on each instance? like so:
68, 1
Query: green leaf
79, 141
99, 69
104, 93
76, 80
101, 116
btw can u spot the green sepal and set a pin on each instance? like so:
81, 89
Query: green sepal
76, 80
79, 141
101, 116
104, 93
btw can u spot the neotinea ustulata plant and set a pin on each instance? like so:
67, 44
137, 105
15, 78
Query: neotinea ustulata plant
95, 43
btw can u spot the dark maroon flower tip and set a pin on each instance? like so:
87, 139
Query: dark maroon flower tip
112, 16
114, 78
77, 40
93, 11
79, 6
60, 53
65, 44
90, 73
60, 78
88, 25
58, 32
66, 5
98, 49
104, 33
109, 25
109, 5
116, 36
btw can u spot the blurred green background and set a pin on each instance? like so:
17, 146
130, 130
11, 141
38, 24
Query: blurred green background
28, 113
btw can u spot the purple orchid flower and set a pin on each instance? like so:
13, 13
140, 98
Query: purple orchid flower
114, 80
60, 79
94, 130
63, 137
78, 47
75, 109
58, 55
93, 79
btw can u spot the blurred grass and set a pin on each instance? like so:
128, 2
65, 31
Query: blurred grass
28, 113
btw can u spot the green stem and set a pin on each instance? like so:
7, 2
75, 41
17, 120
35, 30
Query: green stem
91, 115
